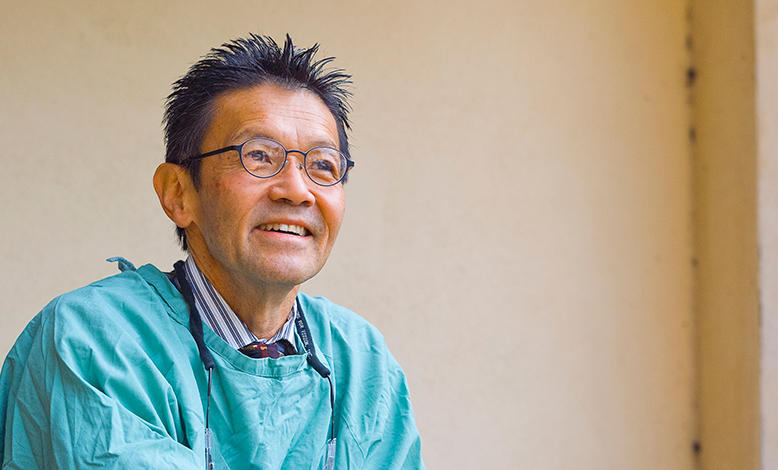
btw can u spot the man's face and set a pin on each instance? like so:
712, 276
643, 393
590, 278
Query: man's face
237, 217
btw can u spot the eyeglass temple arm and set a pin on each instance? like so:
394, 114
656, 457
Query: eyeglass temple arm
216, 152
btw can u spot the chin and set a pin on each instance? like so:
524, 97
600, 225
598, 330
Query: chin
288, 274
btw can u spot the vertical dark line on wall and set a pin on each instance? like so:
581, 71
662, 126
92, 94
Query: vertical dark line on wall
690, 79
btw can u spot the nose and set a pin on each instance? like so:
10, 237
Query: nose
291, 184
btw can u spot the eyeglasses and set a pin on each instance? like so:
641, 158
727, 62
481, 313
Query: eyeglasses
264, 158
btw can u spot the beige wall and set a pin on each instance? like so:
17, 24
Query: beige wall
767, 112
523, 173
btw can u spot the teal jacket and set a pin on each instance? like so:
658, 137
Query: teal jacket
109, 376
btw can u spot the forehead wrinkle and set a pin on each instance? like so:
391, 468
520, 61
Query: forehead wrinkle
289, 129
296, 118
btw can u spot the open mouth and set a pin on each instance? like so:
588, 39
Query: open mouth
284, 228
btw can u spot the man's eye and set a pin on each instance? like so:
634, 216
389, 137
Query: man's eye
322, 165
257, 156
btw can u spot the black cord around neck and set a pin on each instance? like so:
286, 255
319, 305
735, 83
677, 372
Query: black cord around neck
195, 321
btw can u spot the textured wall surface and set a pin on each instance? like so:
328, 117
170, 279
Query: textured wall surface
767, 111
523, 174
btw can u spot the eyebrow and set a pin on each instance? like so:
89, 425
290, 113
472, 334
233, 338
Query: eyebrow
249, 134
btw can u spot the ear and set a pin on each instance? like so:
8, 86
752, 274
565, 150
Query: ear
175, 192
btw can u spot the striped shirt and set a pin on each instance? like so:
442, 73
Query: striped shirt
219, 316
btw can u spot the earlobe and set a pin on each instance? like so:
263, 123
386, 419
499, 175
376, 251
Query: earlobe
172, 184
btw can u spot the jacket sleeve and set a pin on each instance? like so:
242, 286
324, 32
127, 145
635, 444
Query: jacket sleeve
80, 390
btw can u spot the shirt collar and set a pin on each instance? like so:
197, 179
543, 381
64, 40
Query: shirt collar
219, 316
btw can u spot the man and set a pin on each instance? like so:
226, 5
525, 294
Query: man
221, 363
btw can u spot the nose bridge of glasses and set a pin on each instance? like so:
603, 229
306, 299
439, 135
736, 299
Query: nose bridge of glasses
301, 157
296, 162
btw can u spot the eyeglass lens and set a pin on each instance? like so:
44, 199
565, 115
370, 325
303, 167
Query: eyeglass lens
264, 157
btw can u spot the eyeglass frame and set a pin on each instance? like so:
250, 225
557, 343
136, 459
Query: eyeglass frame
239, 149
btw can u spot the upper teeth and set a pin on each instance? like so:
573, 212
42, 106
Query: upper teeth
284, 228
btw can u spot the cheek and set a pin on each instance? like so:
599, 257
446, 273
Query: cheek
333, 209
223, 206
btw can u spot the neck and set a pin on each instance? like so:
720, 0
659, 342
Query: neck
263, 308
